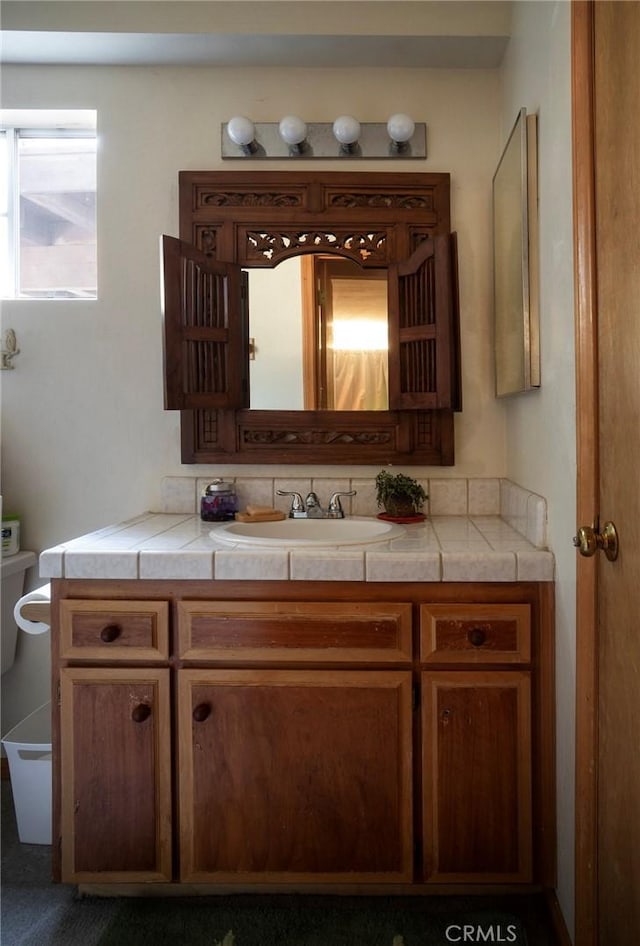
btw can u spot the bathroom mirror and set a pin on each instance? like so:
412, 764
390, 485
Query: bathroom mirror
319, 336
515, 261
362, 237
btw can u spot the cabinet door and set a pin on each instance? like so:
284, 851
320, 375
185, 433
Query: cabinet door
116, 775
477, 776
295, 775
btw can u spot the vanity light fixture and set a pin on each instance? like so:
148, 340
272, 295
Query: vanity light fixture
345, 138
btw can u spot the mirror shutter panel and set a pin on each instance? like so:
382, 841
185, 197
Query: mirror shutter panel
205, 330
420, 328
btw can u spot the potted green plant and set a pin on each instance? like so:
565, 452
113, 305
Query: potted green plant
401, 496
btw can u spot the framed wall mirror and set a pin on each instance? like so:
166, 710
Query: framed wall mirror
515, 261
346, 285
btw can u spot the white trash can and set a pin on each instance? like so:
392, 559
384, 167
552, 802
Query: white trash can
28, 748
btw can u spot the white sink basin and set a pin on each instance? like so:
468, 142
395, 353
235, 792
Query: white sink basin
309, 532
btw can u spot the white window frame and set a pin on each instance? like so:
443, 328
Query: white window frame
18, 124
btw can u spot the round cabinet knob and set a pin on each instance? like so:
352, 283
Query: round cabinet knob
201, 712
476, 636
110, 633
141, 712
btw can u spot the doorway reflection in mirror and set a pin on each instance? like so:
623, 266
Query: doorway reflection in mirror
330, 352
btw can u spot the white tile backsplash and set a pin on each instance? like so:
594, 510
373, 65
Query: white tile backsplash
447, 497
536, 531
178, 494
519, 509
255, 490
484, 497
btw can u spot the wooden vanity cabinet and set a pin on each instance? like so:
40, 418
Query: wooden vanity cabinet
295, 775
115, 741
115, 819
395, 735
477, 743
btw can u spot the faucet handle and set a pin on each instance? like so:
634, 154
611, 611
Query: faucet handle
334, 509
297, 503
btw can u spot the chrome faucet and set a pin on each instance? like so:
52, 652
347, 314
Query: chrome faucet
311, 508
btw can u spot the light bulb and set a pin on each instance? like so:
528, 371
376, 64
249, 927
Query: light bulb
292, 130
400, 128
241, 130
346, 129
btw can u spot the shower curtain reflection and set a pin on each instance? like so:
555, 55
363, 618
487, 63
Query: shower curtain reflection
360, 364
353, 324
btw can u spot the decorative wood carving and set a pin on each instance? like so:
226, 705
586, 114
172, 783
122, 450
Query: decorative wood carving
276, 246
219, 199
315, 436
403, 201
377, 219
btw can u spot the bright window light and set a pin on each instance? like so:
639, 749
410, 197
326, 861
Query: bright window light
48, 208
359, 335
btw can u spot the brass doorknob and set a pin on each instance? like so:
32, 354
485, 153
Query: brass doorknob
588, 541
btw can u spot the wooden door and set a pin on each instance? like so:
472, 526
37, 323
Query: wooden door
606, 106
115, 775
476, 771
295, 776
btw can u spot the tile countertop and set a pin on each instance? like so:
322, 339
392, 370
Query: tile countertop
179, 546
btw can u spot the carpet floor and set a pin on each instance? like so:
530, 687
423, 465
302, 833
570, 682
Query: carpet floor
311, 920
36, 912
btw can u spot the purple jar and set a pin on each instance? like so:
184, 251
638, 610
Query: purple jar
218, 502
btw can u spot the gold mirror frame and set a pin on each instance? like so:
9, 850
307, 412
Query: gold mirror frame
515, 262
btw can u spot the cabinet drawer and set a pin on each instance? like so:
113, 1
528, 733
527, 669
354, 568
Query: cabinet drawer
114, 630
475, 634
330, 632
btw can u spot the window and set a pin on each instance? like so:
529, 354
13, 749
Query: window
48, 204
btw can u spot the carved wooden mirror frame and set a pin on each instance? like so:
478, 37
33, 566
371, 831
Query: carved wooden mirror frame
257, 219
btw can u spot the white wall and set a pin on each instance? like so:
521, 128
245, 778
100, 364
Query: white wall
541, 434
84, 434
85, 437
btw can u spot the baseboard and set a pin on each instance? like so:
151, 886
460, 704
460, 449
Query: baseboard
556, 918
349, 890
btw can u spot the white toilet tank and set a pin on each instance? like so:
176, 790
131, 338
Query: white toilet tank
13, 573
